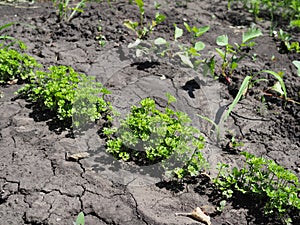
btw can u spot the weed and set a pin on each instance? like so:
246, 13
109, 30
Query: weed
100, 37
232, 55
141, 29
188, 54
286, 41
249, 82
65, 12
150, 135
16, 66
79, 219
271, 184
68, 93
4, 38
288, 9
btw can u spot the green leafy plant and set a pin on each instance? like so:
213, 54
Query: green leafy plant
286, 41
68, 93
273, 186
187, 53
65, 12
277, 9
149, 135
140, 28
16, 66
79, 219
232, 55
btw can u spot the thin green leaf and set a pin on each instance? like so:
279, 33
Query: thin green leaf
222, 40
221, 53
239, 95
188, 28
140, 4
6, 25
251, 34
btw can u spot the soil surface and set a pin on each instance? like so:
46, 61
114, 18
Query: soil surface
39, 185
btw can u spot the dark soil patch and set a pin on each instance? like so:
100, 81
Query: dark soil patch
39, 186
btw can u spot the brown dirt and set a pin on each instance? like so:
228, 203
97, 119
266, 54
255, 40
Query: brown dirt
38, 185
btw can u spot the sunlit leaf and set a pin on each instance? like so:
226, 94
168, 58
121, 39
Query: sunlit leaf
186, 59
199, 45
251, 34
222, 40
80, 219
297, 64
178, 32
160, 41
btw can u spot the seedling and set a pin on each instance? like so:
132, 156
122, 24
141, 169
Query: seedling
188, 54
140, 28
79, 219
249, 82
68, 93
282, 9
232, 55
65, 12
150, 135
272, 185
286, 41
100, 36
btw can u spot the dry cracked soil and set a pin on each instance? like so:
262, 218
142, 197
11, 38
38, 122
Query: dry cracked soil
38, 185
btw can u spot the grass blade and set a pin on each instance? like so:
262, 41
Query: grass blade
241, 92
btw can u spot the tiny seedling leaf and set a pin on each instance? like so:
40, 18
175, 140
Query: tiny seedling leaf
277, 87
160, 41
251, 34
185, 59
80, 219
199, 31
222, 40
159, 18
297, 64
134, 44
178, 32
279, 78
237, 98
131, 25
199, 45
188, 28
